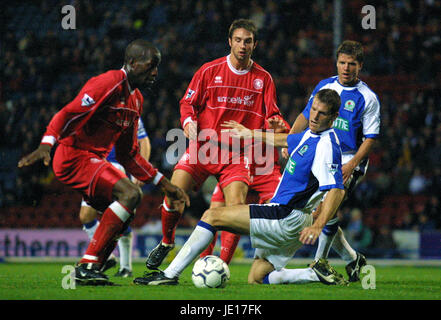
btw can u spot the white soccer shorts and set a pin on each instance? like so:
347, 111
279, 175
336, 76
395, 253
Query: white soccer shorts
275, 231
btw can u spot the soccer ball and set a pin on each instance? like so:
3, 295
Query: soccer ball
210, 272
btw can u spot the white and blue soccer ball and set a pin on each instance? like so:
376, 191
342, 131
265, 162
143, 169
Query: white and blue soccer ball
210, 272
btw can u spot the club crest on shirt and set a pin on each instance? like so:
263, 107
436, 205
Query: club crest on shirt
350, 105
258, 84
303, 149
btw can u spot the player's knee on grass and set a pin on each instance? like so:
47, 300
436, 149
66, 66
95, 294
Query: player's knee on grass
252, 279
259, 269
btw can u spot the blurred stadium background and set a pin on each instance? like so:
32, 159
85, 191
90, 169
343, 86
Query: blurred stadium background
394, 213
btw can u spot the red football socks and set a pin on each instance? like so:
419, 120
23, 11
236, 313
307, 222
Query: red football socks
229, 243
110, 228
169, 219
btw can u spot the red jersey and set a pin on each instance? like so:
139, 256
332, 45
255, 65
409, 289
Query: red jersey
218, 92
262, 161
104, 113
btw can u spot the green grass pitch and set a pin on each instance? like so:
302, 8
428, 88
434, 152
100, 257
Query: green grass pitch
43, 281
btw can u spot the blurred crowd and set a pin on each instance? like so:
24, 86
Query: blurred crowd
43, 67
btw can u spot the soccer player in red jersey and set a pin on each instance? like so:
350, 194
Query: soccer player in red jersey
104, 114
264, 184
233, 87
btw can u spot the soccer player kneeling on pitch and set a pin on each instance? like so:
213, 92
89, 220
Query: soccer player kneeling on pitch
357, 127
278, 229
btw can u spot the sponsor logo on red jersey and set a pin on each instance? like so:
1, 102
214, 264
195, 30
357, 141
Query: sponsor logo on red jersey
123, 123
246, 100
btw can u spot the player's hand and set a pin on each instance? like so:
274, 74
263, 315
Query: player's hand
310, 234
236, 129
347, 170
175, 195
42, 152
137, 182
190, 130
285, 153
277, 124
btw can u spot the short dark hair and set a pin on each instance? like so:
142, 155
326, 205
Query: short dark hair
331, 98
351, 48
245, 24
140, 49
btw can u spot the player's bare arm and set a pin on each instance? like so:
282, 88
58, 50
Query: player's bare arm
300, 124
328, 208
42, 152
144, 150
239, 131
277, 124
362, 152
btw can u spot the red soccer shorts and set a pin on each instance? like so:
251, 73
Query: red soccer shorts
225, 170
87, 173
265, 185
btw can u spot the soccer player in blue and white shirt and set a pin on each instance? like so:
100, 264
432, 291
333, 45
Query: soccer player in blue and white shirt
313, 174
88, 215
357, 128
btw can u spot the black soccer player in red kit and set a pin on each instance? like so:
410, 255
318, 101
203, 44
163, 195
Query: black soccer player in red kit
104, 114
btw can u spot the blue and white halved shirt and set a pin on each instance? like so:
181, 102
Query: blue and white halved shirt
313, 168
359, 114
